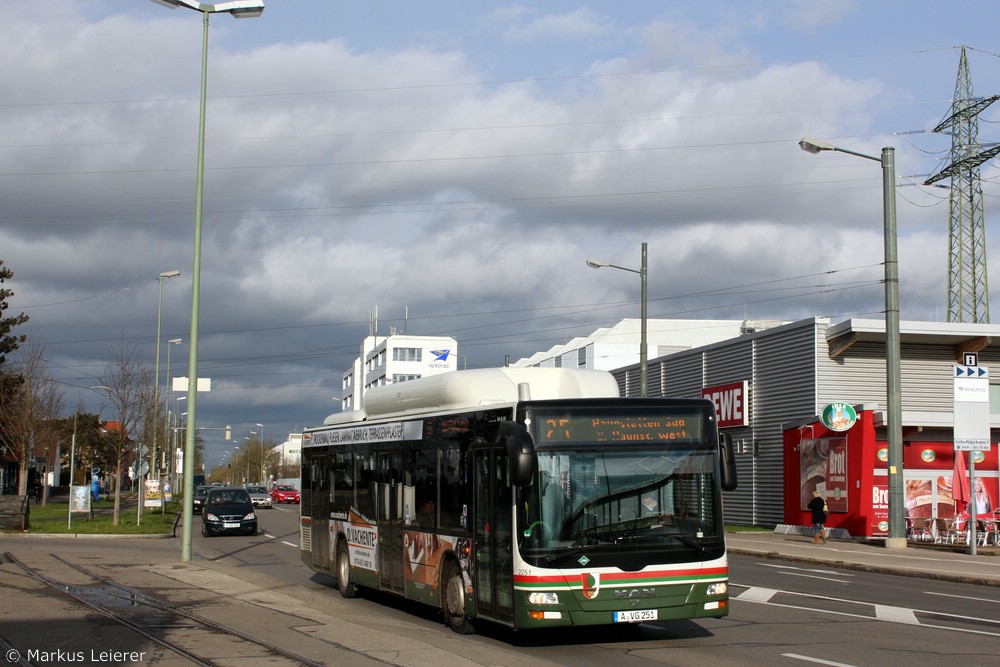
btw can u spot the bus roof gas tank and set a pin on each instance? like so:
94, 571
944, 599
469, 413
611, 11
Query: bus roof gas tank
486, 386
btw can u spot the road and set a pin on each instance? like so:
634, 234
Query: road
781, 613
257, 588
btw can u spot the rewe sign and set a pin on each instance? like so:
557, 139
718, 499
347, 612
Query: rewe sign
730, 403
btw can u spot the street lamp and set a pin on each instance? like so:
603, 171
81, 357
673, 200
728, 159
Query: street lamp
246, 480
261, 467
894, 399
238, 9
159, 309
232, 476
169, 275
643, 371
169, 441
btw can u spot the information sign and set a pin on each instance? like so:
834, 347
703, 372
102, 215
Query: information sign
971, 411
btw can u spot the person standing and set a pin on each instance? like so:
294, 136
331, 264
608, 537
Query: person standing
817, 507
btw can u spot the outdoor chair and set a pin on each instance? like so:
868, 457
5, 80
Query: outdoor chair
919, 529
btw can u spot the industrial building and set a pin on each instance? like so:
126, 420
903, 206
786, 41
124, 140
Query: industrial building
771, 388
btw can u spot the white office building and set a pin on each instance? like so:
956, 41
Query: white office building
614, 347
290, 451
396, 358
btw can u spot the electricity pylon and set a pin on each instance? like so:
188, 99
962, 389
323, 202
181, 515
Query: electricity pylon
968, 294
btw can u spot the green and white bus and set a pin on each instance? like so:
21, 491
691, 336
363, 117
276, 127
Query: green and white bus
529, 497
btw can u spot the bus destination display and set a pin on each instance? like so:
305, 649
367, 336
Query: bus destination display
625, 429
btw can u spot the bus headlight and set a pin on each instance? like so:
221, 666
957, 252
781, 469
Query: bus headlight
720, 588
543, 598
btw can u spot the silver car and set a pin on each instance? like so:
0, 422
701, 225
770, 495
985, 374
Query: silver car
259, 496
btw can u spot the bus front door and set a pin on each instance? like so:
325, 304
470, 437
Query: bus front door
493, 535
390, 521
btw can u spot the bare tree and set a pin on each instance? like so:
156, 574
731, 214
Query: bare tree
129, 386
29, 405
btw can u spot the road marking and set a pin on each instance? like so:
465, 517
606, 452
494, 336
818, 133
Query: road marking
274, 537
816, 660
895, 614
813, 576
964, 597
757, 594
807, 569
889, 614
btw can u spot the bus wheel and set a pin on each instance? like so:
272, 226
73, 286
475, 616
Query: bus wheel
347, 588
453, 599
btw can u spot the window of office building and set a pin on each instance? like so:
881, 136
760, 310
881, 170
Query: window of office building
404, 377
406, 354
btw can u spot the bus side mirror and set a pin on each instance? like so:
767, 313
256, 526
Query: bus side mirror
727, 462
520, 453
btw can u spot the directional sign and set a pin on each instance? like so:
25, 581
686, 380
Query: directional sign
971, 411
972, 383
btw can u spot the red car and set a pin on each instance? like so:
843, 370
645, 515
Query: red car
284, 493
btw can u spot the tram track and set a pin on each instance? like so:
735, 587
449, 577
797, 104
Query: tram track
176, 629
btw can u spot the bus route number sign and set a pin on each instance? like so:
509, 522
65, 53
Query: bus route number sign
618, 429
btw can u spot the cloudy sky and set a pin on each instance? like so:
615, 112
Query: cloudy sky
459, 161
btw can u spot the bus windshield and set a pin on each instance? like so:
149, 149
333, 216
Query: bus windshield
658, 502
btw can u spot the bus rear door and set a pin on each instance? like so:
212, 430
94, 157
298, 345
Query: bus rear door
317, 501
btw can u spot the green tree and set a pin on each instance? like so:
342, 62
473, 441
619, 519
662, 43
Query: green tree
90, 443
8, 341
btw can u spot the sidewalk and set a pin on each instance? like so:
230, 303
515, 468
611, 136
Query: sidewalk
925, 560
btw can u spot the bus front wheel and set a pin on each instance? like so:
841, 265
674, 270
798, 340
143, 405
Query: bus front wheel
347, 588
453, 599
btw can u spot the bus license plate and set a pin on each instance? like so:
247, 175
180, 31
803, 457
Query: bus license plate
230, 525
635, 616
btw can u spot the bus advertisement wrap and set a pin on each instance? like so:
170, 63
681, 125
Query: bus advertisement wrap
368, 433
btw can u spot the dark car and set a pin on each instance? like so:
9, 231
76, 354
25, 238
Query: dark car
284, 493
228, 509
198, 497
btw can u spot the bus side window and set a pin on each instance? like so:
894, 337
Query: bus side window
343, 479
365, 488
450, 487
425, 483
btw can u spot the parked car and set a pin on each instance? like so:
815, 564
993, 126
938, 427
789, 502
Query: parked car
228, 509
259, 496
284, 493
198, 498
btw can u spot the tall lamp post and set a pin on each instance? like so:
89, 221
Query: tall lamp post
246, 480
894, 398
174, 443
261, 466
156, 381
168, 445
238, 9
643, 371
